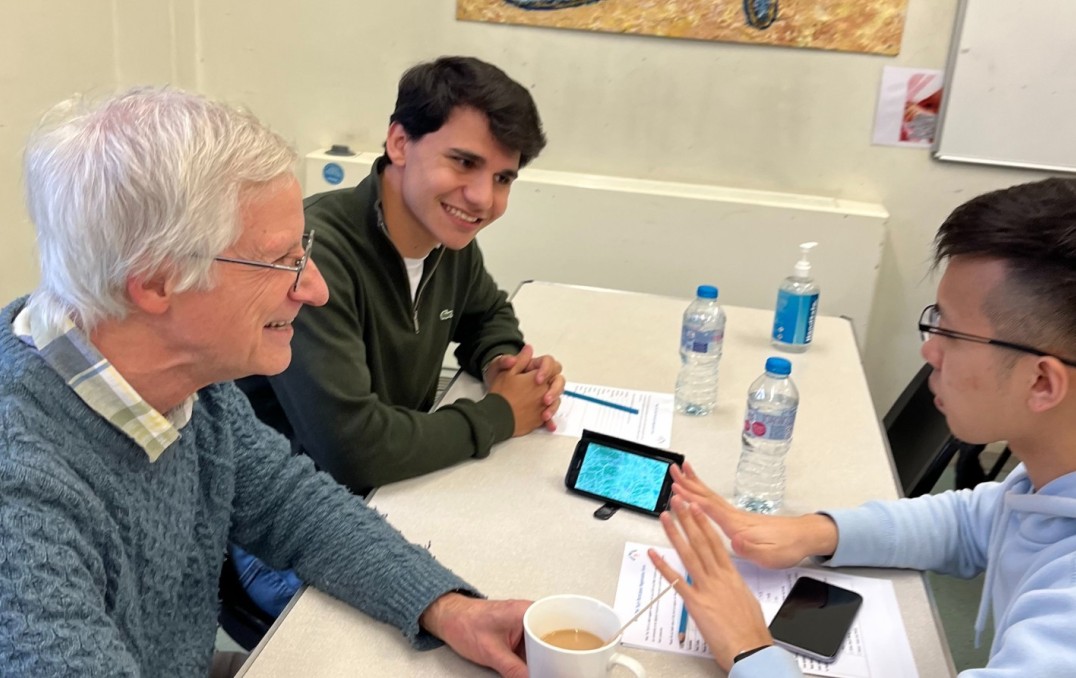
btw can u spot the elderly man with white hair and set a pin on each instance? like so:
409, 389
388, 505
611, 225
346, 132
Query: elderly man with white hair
173, 260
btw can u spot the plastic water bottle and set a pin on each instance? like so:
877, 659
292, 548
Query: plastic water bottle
701, 338
767, 434
797, 305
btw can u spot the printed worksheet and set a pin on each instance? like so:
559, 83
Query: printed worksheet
876, 647
642, 416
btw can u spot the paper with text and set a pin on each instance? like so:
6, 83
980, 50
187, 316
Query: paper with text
651, 426
876, 647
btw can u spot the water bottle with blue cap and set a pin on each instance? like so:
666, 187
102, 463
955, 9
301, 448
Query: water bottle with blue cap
702, 336
772, 401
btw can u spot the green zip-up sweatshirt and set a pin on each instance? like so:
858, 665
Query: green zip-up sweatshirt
364, 367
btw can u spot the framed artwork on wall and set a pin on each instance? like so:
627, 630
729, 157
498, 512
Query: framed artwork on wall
872, 26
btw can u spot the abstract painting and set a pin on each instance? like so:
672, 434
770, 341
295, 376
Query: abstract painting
873, 26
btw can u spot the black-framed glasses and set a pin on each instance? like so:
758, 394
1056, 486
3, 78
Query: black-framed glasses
297, 269
928, 324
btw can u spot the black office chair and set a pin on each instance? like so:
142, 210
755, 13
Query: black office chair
919, 438
922, 446
970, 471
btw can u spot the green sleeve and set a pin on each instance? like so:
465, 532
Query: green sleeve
489, 326
346, 427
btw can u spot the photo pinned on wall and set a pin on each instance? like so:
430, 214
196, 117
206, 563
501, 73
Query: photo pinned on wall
871, 26
908, 104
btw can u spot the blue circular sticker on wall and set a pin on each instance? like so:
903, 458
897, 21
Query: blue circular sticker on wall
333, 173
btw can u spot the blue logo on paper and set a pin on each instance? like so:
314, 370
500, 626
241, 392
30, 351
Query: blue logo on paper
333, 173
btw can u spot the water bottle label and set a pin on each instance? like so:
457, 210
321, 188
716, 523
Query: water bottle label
699, 341
771, 426
793, 323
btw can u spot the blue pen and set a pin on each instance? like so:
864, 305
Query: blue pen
683, 619
599, 401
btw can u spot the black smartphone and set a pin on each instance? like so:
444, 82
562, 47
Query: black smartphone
815, 618
622, 472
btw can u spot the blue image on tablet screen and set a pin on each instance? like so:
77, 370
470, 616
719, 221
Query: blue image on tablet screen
627, 478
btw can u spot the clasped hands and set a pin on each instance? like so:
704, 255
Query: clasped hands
531, 384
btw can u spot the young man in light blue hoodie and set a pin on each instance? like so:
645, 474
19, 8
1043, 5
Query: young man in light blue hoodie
1002, 341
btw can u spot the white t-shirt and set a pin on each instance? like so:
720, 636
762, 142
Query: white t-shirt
414, 273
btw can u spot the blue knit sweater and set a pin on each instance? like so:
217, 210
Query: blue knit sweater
109, 563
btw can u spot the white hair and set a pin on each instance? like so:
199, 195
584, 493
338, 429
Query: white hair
147, 182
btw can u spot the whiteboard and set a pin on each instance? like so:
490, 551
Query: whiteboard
1010, 95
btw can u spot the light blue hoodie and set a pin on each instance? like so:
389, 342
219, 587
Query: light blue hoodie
1024, 540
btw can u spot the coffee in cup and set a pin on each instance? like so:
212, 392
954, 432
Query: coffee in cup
573, 639
571, 636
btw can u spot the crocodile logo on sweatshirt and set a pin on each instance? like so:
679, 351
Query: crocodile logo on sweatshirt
446, 314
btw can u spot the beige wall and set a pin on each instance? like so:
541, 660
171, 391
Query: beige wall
51, 49
324, 71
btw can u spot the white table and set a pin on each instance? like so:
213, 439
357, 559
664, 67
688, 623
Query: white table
508, 526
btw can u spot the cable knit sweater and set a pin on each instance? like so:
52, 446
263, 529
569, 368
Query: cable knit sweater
109, 563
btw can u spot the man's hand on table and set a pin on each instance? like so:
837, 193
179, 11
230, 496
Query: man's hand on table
770, 541
725, 610
486, 632
531, 384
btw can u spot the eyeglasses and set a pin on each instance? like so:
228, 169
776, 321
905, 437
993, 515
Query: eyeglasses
297, 269
928, 324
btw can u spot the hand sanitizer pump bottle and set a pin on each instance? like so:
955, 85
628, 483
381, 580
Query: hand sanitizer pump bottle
797, 304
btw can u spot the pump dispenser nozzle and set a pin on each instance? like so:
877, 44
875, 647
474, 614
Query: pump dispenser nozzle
803, 266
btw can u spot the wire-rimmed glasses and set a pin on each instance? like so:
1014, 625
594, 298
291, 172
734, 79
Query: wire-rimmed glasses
297, 269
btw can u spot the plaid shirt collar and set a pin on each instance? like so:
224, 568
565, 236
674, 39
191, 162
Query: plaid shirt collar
70, 353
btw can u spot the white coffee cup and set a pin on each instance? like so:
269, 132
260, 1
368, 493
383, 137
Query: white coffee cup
556, 613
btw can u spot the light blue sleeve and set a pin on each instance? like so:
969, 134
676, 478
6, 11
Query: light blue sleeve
773, 662
950, 533
1035, 637
947, 533
1038, 644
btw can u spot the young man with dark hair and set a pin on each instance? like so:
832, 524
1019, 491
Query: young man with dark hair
1002, 341
406, 278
